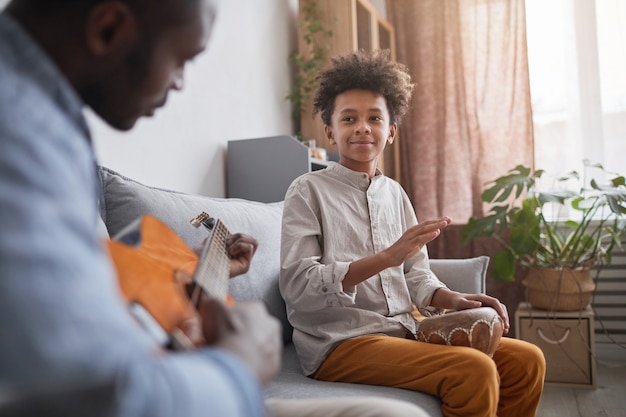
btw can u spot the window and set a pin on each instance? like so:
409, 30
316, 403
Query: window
577, 64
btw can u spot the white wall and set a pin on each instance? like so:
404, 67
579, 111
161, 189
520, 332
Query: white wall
235, 90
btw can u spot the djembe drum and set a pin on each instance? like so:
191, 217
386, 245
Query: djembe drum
478, 328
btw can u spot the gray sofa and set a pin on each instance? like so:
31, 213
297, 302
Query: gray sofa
123, 200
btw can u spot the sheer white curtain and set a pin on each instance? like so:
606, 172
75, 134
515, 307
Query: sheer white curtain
577, 64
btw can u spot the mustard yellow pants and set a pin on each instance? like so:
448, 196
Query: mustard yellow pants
468, 382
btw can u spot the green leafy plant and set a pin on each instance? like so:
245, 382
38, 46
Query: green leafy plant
526, 222
310, 61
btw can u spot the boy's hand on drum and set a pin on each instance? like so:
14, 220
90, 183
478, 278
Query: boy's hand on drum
486, 301
445, 298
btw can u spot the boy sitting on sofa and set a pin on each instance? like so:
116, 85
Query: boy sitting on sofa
354, 261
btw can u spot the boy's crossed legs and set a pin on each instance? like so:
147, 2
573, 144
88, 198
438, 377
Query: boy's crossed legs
467, 381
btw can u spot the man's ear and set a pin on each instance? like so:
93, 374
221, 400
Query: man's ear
111, 27
329, 134
393, 129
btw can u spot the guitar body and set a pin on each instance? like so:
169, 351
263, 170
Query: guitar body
149, 258
146, 272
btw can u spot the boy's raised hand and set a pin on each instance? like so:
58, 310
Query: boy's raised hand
411, 242
414, 239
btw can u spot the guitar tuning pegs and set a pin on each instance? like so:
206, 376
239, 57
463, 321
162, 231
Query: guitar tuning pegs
203, 219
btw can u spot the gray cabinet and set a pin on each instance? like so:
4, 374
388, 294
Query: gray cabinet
262, 169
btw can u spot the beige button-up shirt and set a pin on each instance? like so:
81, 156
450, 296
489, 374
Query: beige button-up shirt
332, 217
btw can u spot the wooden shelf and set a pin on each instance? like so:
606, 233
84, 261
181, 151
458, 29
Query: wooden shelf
355, 24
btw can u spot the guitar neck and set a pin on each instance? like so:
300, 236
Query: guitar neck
213, 271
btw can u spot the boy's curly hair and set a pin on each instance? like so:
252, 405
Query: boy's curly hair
372, 71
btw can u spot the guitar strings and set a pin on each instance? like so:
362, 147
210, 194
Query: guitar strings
214, 268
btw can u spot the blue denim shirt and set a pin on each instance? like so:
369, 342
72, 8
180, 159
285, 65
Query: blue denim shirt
62, 319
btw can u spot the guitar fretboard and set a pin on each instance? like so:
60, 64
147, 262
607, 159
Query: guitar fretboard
213, 269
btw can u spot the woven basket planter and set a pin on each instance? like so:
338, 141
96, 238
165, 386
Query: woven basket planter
559, 289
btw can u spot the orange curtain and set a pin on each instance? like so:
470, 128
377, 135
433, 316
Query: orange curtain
470, 119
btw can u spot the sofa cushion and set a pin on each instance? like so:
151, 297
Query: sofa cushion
466, 275
124, 200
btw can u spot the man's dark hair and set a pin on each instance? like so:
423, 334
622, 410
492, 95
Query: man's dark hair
373, 71
167, 11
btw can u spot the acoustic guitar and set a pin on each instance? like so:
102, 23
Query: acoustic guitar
148, 256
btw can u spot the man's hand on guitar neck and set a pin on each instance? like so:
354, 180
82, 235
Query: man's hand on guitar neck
241, 249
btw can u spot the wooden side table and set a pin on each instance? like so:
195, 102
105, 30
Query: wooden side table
567, 341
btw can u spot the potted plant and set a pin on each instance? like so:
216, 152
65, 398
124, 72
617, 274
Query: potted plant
556, 235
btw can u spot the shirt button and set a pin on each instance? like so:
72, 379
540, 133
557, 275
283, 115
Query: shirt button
324, 289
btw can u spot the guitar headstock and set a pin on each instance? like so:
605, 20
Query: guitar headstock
203, 219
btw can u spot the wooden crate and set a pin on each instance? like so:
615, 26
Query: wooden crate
567, 341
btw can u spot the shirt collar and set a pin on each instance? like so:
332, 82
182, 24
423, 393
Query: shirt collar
45, 74
358, 179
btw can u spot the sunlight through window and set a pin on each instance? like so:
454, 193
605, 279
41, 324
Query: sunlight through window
577, 64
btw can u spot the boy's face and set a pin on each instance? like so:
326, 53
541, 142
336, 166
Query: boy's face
360, 127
